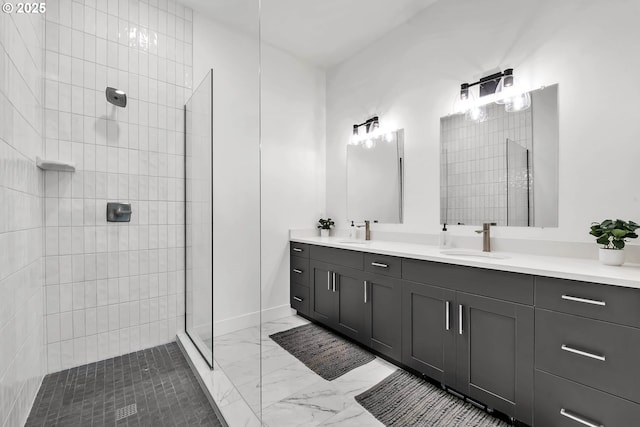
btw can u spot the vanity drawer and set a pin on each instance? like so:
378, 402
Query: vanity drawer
299, 249
593, 300
299, 296
595, 353
345, 257
299, 270
553, 395
385, 265
515, 287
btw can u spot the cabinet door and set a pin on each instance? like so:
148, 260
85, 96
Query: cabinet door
350, 307
495, 354
428, 335
383, 306
322, 300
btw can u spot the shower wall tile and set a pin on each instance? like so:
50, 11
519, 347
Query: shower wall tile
22, 297
114, 288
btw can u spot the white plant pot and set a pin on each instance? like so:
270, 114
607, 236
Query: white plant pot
611, 256
324, 233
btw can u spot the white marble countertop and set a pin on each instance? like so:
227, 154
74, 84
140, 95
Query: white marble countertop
589, 270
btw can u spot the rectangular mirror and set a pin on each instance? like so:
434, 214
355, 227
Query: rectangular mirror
374, 179
503, 169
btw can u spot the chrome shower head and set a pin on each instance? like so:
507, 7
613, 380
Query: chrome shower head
116, 97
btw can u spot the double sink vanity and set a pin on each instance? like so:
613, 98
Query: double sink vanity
546, 341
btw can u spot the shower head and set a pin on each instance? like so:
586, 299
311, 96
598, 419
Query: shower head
116, 97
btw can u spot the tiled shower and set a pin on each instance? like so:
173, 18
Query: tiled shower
113, 288
75, 289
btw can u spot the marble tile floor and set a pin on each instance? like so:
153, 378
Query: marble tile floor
292, 394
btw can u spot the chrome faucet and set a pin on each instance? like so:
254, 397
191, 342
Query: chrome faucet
486, 236
367, 229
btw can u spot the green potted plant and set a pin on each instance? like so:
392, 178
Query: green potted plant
325, 226
611, 235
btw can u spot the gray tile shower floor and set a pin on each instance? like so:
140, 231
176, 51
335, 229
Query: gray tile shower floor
158, 381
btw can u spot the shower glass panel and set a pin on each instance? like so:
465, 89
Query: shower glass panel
198, 217
518, 184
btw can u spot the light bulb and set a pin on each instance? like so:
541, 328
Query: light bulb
476, 114
518, 103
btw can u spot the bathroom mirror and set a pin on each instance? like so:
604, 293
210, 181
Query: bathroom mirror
503, 169
374, 179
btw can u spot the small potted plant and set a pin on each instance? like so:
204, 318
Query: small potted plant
611, 235
325, 226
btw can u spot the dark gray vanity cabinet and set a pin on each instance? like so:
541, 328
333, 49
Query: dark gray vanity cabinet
587, 351
476, 343
428, 331
383, 311
495, 353
360, 304
322, 301
299, 277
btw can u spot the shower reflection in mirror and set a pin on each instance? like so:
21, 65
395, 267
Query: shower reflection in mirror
503, 169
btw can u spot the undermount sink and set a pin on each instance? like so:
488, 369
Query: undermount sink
354, 242
472, 253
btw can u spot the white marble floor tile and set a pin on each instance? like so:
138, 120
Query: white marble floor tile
354, 416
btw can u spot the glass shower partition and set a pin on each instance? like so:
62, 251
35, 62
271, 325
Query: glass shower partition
198, 121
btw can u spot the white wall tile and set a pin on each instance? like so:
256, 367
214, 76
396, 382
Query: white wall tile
98, 273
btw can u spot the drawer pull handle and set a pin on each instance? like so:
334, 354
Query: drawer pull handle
583, 353
460, 328
447, 320
297, 250
328, 280
298, 299
295, 270
379, 264
334, 282
579, 419
584, 300
365, 291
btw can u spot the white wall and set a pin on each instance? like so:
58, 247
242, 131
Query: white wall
411, 76
114, 288
290, 131
21, 215
293, 163
234, 58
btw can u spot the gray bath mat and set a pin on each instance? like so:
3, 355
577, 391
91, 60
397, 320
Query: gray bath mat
324, 352
402, 399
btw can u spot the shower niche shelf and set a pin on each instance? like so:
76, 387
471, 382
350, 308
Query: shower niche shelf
55, 165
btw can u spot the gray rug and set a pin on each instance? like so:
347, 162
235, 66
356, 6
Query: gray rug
324, 352
402, 399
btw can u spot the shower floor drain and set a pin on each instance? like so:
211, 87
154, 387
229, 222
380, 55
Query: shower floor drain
126, 411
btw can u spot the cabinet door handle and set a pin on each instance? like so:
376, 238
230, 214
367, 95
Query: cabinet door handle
460, 318
365, 291
334, 282
447, 315
295, 270
379, 264
298, 299
583, 353
328, 280
297, 250
584, 300
579, 419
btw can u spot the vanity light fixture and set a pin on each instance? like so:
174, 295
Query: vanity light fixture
501, 87
366, 132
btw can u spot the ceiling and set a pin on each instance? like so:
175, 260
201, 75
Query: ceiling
324, 32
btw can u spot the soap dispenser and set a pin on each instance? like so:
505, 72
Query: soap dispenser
445, 239
352, 231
